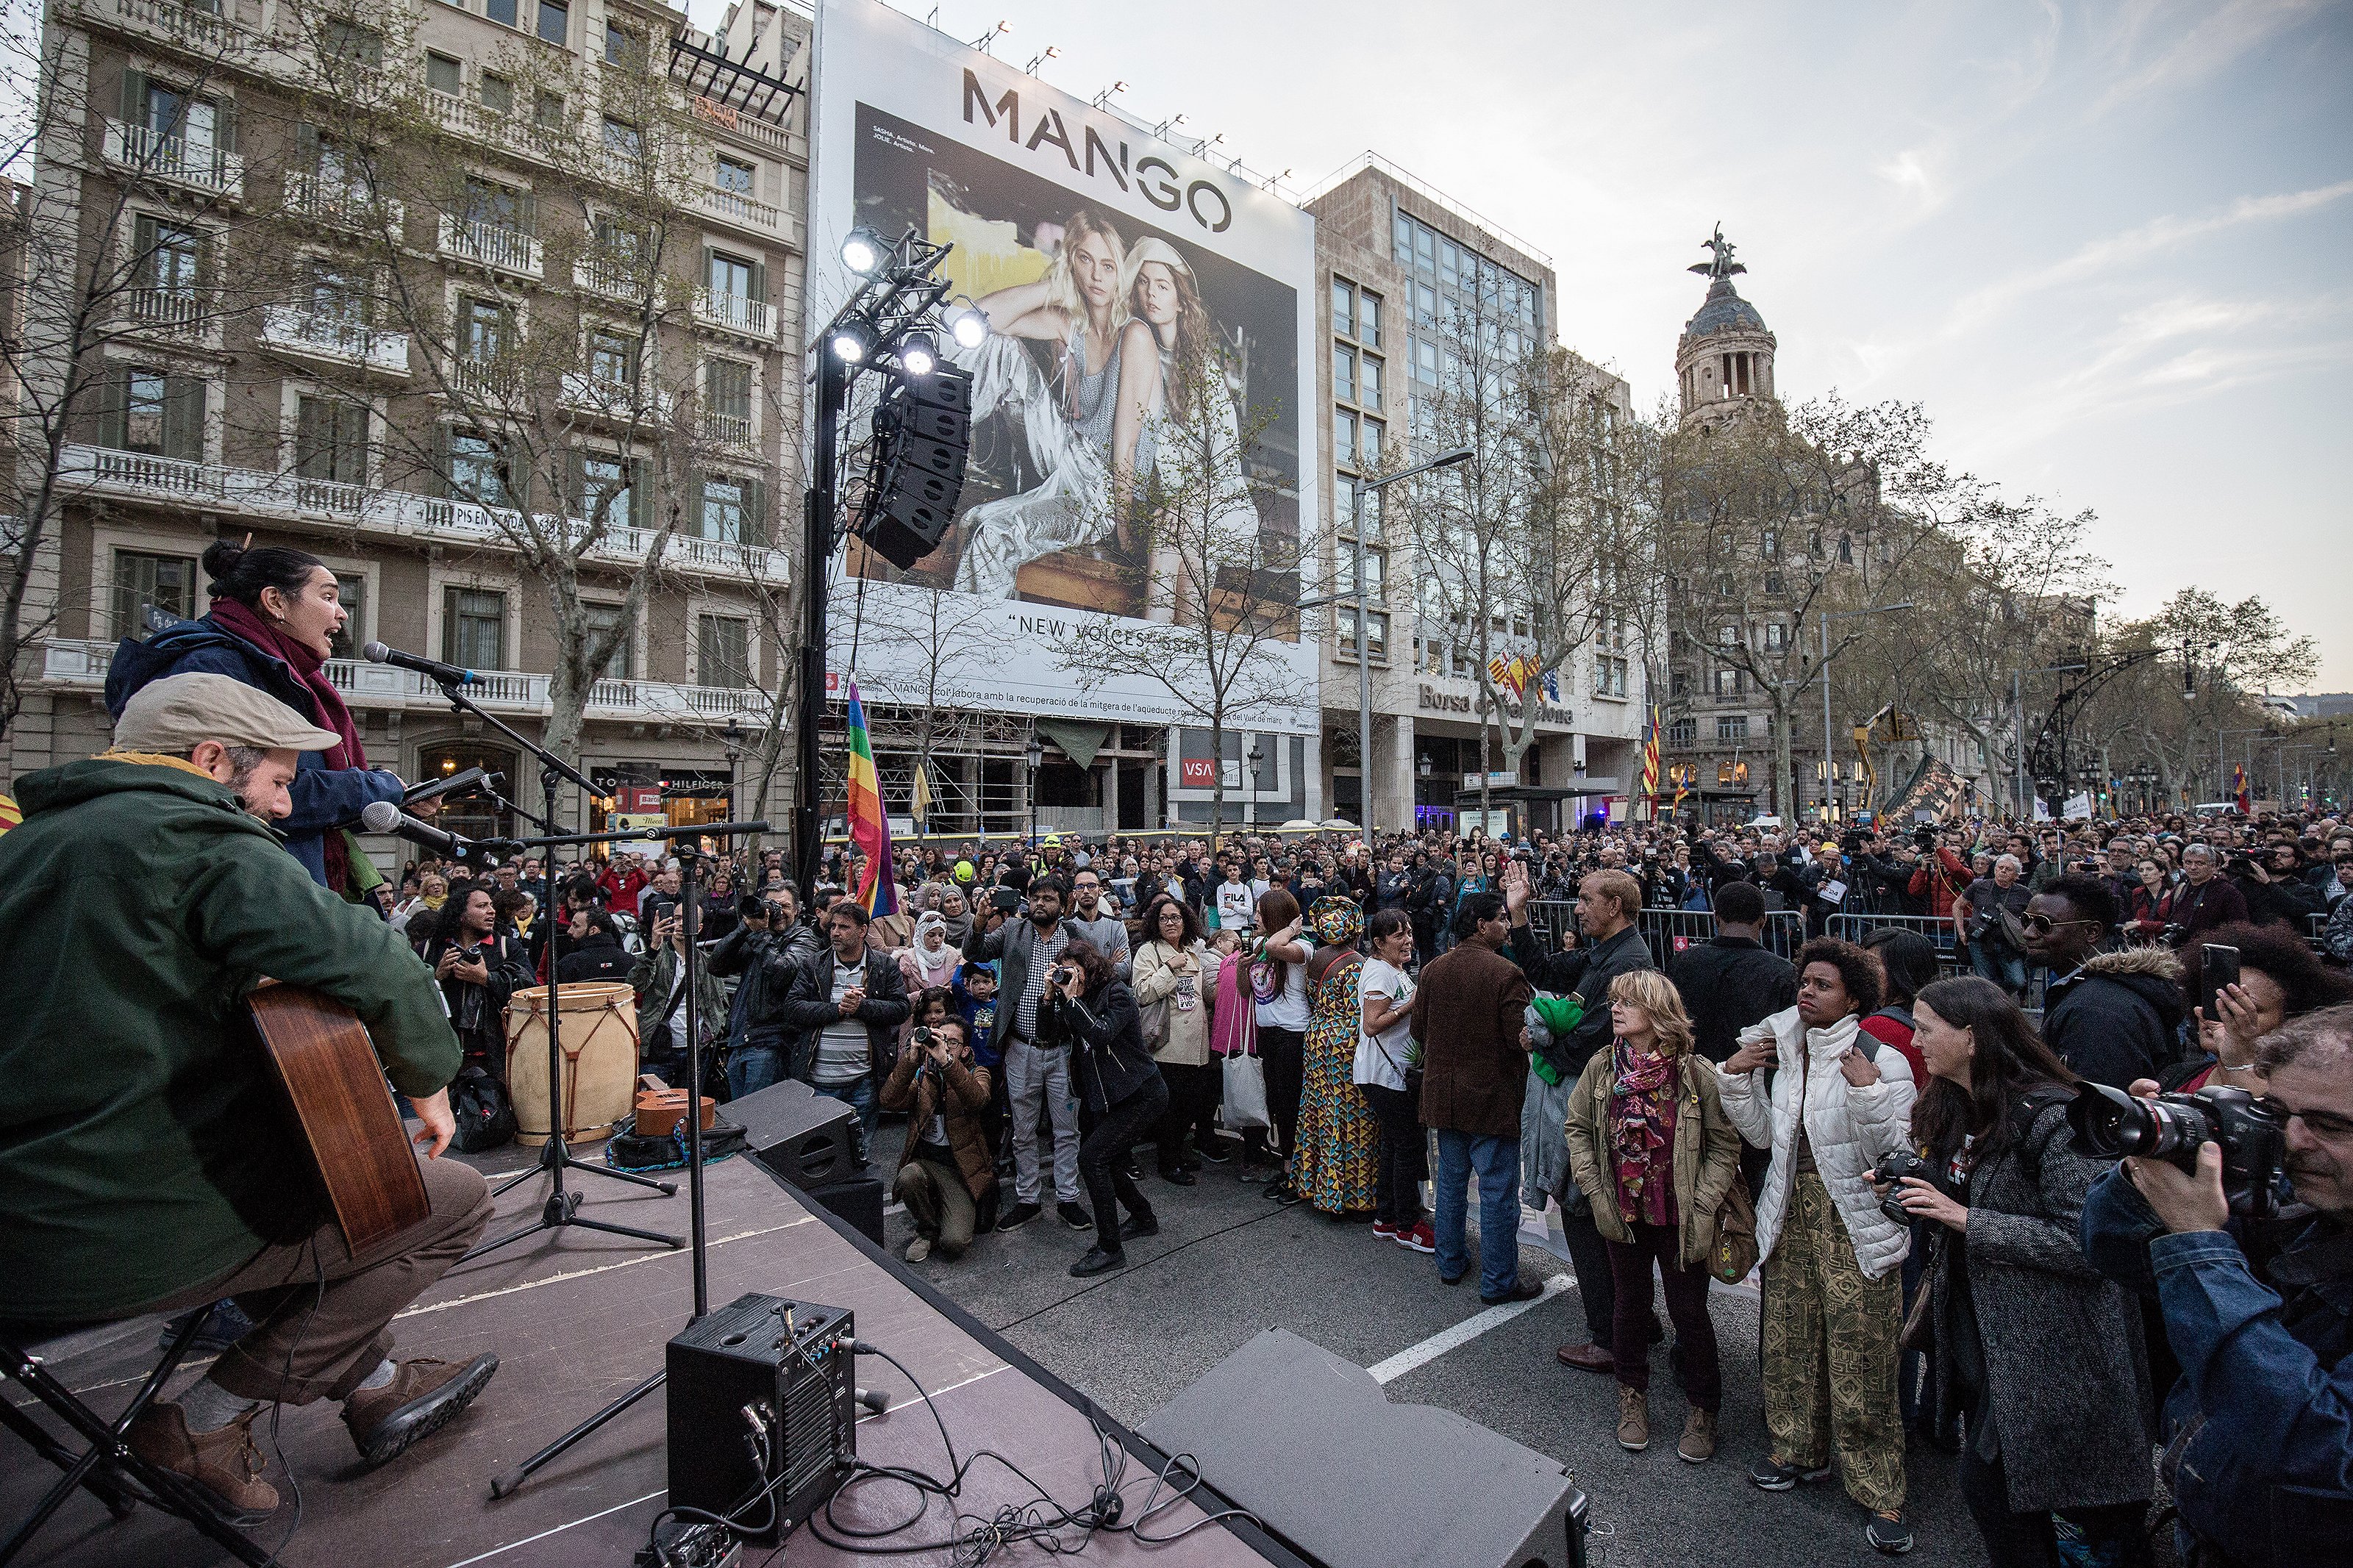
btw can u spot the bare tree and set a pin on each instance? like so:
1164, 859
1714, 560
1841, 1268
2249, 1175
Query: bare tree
917, 645
1222, 577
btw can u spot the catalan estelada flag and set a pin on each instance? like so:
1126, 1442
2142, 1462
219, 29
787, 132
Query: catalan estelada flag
1650, 757
870, 830
10, 816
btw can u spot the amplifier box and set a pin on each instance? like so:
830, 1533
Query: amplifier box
760, 1399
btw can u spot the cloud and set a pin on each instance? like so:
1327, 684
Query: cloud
2200, 50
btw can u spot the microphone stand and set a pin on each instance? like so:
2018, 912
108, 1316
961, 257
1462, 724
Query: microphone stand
562, 1208
689, 891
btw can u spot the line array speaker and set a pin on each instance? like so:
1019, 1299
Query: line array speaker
922, 432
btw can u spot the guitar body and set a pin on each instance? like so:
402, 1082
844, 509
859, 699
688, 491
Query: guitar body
324, 1058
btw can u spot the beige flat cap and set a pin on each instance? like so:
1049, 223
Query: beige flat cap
170, 715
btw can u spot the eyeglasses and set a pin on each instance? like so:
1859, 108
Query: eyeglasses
2043, 925
2320, 1123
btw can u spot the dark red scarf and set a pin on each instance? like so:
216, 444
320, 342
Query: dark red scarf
310, 667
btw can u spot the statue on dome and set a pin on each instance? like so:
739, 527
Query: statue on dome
1723, 265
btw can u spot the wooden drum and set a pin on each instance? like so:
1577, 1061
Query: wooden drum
597, 1050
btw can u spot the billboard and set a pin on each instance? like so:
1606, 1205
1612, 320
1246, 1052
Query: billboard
1103, 258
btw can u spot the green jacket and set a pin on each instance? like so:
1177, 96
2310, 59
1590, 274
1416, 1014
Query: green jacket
144, 1143
1706, 1152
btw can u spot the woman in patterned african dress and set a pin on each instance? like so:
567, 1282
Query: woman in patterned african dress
1339, 1138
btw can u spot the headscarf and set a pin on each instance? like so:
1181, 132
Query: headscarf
1336, 920
310, 667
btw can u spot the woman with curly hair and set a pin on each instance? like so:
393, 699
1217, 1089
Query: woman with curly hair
2279, 978
1339, 1137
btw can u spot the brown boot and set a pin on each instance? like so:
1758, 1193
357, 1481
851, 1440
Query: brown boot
1633, 1419
226, 1463
1698, 1444
423, 1395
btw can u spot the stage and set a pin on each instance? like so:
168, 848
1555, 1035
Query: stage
577, 1318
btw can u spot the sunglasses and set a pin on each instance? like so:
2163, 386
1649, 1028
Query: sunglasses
2043, 925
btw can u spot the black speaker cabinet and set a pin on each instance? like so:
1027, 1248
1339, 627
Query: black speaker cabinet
806, 1138
761, 1376
1309, 1443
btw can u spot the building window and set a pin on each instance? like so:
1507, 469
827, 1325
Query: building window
153, 412
1368, 320
1733, 772
498, 95
495, 205
554, 20
734, 175
1371, 448
331, 440
168, 256
623, 47
1343, 437
351, 44
548, 110
723, 646
1369, 384
1773, 584
727, 388
1732, 726
488, 326
1776, 637
1727, 683
445, 75
477, 470
1727, 637
612, 357
622, 139
1344, 309
151, 591
500, 11
731, 277
1609, 675
474, 627
350, 589
1344, 375
339, 294
729, 511
1682, 734
1769, 545
607, 495
1678, 684
603, 618
1377, 633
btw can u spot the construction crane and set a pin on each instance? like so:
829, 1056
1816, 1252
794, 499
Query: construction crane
1888, 727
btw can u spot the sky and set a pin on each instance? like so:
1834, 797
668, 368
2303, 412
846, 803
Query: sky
2104, 244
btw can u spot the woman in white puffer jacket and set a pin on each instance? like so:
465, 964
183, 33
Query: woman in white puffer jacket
1829, 1105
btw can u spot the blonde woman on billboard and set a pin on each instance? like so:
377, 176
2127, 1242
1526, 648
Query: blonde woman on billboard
1067, 422
1162, 292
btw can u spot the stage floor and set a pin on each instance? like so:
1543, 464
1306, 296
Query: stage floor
579, 1319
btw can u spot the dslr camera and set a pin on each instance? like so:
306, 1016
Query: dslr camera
1891, 1171
1924, 838
2109, 1125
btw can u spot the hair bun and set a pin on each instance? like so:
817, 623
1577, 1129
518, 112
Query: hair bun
221, 558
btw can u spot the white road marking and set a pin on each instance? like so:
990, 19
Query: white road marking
1463, 1332
526, 1541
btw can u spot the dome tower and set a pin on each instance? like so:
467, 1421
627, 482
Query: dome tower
1723, 361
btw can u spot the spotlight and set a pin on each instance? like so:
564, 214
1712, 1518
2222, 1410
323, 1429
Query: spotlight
968, 326
863, 253
853, 342
917, 354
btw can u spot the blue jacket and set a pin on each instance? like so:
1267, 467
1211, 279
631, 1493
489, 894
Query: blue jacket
324, 797
2259, 1431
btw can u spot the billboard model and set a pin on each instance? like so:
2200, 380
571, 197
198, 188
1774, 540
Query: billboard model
1115, 271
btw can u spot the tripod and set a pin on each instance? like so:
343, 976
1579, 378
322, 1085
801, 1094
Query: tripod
562, 1208
689, 895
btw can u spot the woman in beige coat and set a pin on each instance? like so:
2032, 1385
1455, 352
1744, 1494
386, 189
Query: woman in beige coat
1651, 1147
1175, 978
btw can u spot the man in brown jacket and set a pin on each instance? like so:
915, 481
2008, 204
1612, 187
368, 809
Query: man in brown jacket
945, 1170
1472, 1038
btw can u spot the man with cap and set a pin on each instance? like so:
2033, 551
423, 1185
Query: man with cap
145, 896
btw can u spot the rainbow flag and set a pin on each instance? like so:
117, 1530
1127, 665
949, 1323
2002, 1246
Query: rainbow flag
868, 829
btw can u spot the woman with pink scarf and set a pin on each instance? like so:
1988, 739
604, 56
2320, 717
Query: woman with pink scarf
274, 615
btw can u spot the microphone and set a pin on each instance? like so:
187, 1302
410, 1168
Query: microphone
433, 670
385, 817
874, 1399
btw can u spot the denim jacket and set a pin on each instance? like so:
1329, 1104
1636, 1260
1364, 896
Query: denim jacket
2259, 1431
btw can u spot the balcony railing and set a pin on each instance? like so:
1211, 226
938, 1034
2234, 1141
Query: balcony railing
175, 159
173, 310
735, 313
392, 515
490, 244
79, 663
199, 27
292, 330
619, 277
738, 208
345, 204
619, 400
464, 117
727, 429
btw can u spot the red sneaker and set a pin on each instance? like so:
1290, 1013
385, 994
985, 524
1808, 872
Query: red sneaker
1421, 1238
1385, 1230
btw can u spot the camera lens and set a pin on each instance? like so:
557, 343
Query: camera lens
2110, 1124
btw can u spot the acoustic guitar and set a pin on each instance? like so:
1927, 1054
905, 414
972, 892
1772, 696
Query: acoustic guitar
345, 1109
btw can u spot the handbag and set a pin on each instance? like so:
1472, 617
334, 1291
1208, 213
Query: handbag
1919, 1329
485, 1116
1733, 1254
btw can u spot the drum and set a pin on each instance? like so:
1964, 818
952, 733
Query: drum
597, 1053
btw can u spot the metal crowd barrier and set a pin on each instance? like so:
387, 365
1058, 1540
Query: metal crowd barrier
1668, 931
1938, 929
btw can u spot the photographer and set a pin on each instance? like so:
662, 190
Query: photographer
945, 1177
2039, 1350
1121, 1093
659, 978
479, 967
764, 950
1989, 914
2259, 1430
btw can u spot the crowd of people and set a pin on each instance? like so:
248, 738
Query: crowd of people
1349, 1021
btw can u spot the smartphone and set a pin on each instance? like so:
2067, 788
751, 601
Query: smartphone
1005, 898
454, 784
2216, 966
